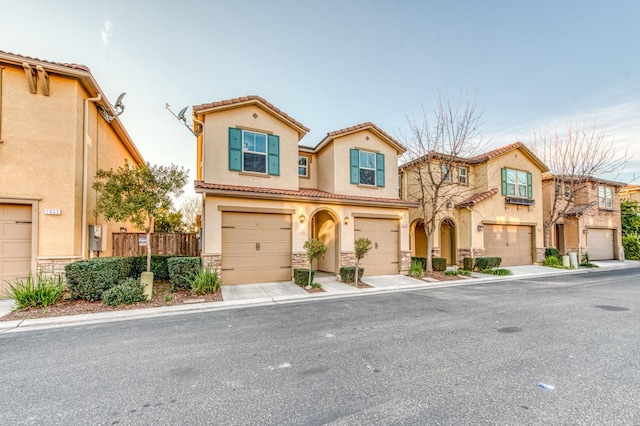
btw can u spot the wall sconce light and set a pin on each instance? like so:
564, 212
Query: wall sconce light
302, 218
480, 227
346, 220
123, 229
449, 204
586, 231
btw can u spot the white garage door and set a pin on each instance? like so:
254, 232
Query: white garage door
256, 247
512, 243
600, 243
15, 243
384, 236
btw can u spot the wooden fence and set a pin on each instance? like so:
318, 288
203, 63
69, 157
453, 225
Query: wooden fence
128, 244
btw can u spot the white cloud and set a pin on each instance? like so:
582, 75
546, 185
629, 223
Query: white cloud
106, 32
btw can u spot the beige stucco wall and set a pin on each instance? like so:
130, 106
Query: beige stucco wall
301, 231
338, 156
42, 156
216, 147
312, 180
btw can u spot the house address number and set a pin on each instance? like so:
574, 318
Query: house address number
55, 212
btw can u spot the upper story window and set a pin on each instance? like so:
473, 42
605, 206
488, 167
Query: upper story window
516, 183
605, 197
446, 173
367, 168
560, 193
303, 166
463, 175
254, 152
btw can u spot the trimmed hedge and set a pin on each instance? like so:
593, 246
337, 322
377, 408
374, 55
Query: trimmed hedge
348, 273
128, 292
551, 251
484, 263
631, 244
181, 269
159, 265
467, 264
301, 276
437, 263
88, 279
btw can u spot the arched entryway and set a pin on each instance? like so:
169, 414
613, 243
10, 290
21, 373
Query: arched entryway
448, 241
420, 240
324, 227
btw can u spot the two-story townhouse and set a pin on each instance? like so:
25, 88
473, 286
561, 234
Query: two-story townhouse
630, 193
264, 195
589, 222
494, 208
56, 129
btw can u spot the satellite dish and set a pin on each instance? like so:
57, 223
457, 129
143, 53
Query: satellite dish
119, 101
181, 113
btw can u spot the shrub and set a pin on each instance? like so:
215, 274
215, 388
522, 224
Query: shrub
439, 264
315, 251
421, 260
88, 279
205, 281
159, 266
588, 265
552, 252
552, 261
301, 276
631, 244
127, 292
41, 292
348, 273
181, 269
416, 270
499, 272
467, 264
458, 272
484, 263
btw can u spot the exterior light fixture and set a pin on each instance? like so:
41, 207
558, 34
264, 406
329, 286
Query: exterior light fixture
302, 218
586, 231
480, 227
123, 229
346, 220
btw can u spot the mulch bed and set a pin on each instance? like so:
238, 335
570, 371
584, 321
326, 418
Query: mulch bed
162, 296
441, 276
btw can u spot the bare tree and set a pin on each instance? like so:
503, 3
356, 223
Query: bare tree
575, 156
436, 150
190, 208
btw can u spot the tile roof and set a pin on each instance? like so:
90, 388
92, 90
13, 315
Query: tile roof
580, 209
477, 198
357, 127
250, 99
585, 180
496, 152
301, 193
63, 64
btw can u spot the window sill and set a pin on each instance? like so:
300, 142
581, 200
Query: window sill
606, 209
255, 174
361, 185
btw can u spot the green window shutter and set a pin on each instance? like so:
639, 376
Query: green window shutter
273, 150
380, 170
529, 185
355, 166
503, 172
235, 149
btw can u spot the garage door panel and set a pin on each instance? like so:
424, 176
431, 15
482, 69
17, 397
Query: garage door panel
382, 259
512, 243
256, 247
15, 243
600, 244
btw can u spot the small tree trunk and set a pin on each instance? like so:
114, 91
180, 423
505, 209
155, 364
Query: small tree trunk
148, 251
355, 281
430, 253
310, 269
547, 234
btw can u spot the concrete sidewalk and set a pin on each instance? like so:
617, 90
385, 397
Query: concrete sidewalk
286, 292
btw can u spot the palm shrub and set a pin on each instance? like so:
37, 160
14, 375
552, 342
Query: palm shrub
552, 252
128, 292
361, 247
416, 270
315, 250
35, 293
552, 261
205, 281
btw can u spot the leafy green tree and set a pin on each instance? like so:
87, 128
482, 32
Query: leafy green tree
169, 220
315, 250
630, 211
361, 247
138, 193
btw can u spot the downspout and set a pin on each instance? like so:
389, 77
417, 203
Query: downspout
85, 171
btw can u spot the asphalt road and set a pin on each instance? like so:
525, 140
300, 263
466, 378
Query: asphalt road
458, 355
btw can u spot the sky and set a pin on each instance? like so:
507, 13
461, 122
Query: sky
332, 64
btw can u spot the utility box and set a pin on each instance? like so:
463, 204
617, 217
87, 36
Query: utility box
95, 237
